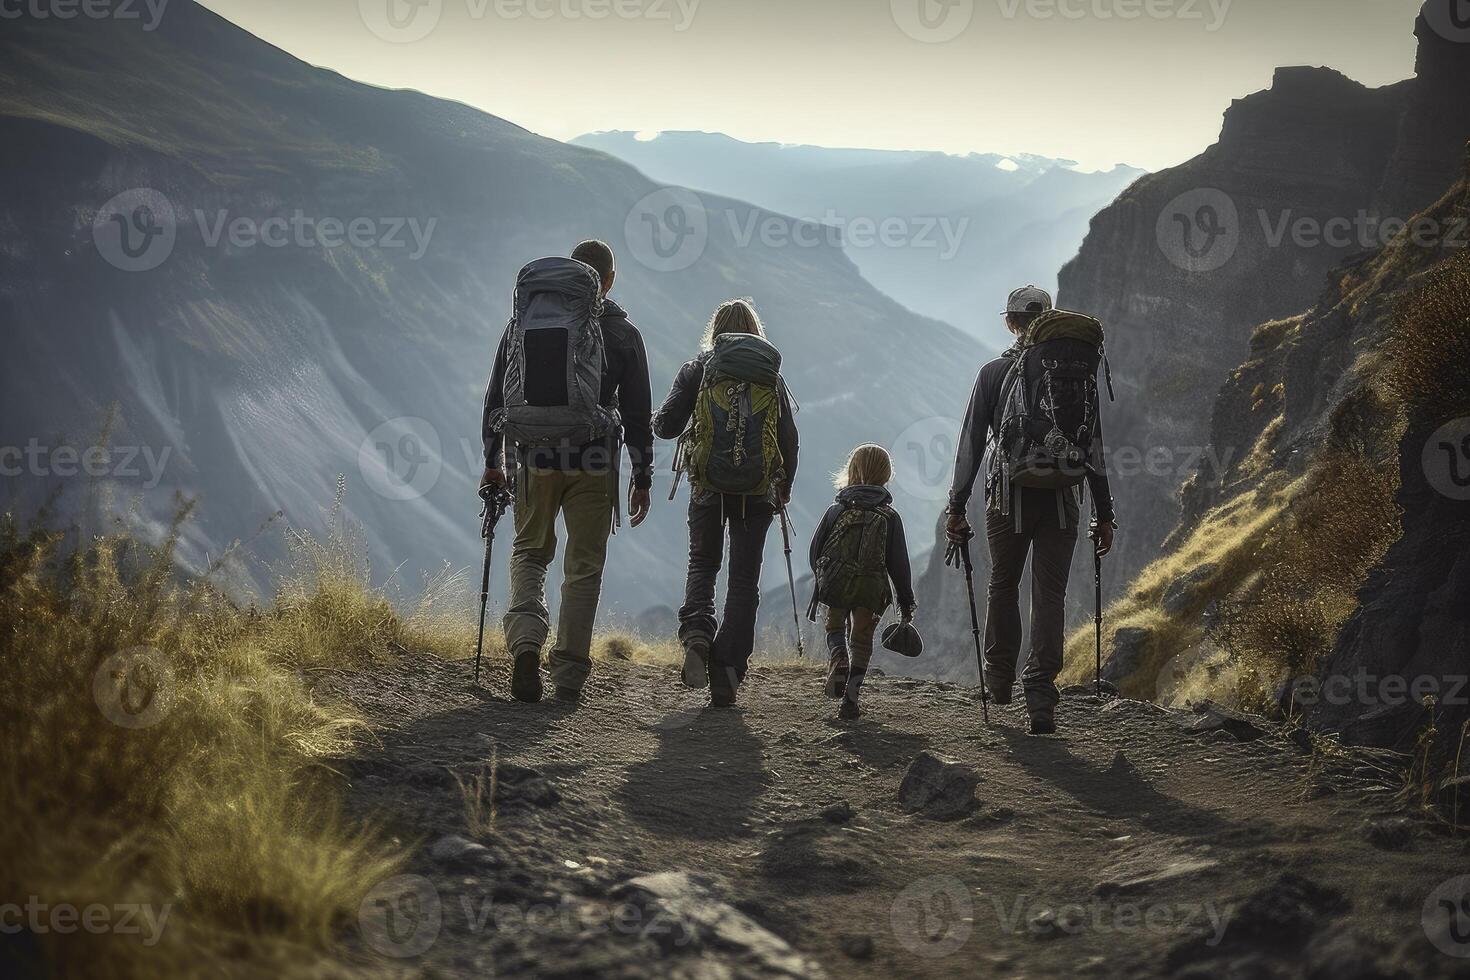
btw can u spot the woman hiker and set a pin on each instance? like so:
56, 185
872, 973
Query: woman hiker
731, 412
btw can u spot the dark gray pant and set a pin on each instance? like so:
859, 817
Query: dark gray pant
731, 638
1050, 546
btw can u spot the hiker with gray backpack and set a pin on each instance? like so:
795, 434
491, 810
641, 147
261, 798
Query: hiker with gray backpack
1037, 409
569, 387
857, 551
732, 414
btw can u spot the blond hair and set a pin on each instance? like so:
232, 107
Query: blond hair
733, 316
868, 465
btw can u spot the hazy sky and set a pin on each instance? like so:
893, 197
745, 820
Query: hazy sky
1100, 81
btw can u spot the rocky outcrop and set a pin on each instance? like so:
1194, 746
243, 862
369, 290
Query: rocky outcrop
1187, 266
1188, 261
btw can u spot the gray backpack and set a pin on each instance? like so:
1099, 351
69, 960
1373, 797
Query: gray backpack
555, 358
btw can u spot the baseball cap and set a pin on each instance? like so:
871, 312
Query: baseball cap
1028, 299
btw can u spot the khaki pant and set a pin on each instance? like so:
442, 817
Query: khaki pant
584, 501
858, 639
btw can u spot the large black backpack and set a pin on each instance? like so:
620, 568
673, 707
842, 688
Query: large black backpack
1046, 423
556, 356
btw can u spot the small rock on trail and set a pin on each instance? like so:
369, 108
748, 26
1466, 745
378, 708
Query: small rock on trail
685, 913
939, 788
1212, 717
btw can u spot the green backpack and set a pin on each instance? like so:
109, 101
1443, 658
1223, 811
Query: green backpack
852, 571
732, 444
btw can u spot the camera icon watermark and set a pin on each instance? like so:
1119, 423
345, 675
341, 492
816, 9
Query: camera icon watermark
134, 688
924, 457
401, 21
401, 459
1446, 917
1199, 231
149, 12
933, 21
668, 230
1446, 459
933, 917
1450, 19
136, 231
401, 917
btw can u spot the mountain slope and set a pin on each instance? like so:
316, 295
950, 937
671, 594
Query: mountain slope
257, 356
961, 231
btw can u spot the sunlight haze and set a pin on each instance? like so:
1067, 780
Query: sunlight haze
1097, 81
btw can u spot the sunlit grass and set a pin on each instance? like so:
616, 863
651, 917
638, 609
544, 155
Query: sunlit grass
221, 809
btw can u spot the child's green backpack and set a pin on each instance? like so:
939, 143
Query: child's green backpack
732, 445
852, 570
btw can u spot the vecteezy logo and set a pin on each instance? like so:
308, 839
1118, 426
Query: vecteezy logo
1199, 230
134, 688
1450, 19
933, 21
401, 917
136, 230
401, 21
401, 459
933, 917
1447, 917
924, 456
668, 230
1446, 459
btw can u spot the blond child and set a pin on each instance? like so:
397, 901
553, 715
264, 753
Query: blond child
857, 553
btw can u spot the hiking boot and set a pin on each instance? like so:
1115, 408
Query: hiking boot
1001, 692
722, 697
836, 681
569, 695
696, 666
525, 681
1043, 724
849, 710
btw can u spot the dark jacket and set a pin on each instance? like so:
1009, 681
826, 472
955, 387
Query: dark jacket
624, 386
670, 421
897, 556
979, 430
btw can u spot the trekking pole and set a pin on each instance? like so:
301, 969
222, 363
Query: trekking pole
496, 500
958, 556
1097, 607
791, 579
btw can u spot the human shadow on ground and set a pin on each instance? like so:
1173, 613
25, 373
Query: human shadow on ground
703, 781
875, 743
1118, 791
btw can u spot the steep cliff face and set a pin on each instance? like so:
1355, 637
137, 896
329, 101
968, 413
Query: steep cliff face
1187, 263
1327, 571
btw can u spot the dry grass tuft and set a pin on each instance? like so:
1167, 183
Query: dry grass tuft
164, 750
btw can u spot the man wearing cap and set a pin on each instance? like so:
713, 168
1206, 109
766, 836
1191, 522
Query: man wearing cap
1040, 532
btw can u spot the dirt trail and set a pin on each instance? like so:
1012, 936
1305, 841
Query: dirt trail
1123, 847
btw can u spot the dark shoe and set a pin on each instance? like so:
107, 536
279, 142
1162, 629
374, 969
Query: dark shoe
1043, 724
836, 681
849, 710
696, 666
721, 697
568, 695
525, 681
1001, 692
